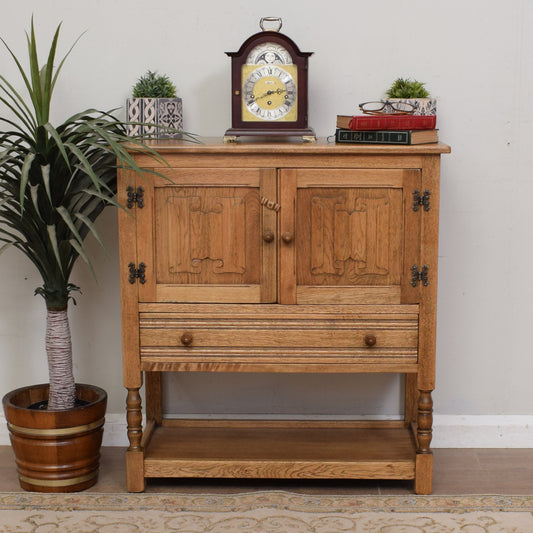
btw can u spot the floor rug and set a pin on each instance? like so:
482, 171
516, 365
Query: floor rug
262, 512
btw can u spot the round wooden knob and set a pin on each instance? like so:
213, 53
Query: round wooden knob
268, 236
287, 237
370, 340
186, 339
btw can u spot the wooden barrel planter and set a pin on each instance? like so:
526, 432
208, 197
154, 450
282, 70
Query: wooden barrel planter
56, 451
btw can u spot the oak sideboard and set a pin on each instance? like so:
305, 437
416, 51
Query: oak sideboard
280, 257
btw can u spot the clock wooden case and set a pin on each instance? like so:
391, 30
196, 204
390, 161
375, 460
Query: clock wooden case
269, 88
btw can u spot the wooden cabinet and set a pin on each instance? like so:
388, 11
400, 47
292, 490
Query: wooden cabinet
280, 257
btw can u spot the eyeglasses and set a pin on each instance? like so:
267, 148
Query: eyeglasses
384, 106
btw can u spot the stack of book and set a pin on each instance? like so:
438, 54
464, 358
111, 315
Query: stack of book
386, 129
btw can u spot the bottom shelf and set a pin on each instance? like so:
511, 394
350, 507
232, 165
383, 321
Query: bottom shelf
279, 450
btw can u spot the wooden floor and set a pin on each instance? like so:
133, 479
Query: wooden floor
457, 471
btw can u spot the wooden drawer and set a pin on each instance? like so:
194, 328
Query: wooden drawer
256, 337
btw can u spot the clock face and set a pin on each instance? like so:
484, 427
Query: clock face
269, 54
269, 93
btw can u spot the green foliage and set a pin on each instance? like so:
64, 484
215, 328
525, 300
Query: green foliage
55, 180
407, 88
153, 85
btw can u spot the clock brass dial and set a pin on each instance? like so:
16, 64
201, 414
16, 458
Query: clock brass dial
269, 93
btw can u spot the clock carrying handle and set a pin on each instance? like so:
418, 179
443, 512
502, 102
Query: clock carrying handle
270, 19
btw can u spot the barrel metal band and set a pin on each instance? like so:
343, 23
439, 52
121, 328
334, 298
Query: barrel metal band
58, 482
55, 432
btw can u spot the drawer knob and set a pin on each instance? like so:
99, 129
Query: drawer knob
287, 237
370, 340
268, 236
186, 339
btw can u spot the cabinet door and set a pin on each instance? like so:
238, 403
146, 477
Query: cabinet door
201, 236
352, 236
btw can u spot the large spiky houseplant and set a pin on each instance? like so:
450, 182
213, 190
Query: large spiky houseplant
54, 182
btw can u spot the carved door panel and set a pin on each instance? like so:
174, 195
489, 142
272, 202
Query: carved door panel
352, 238
201, 237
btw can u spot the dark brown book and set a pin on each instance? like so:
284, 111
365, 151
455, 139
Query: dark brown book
386, 136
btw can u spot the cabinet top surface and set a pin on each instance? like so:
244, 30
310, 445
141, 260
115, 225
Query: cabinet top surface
322, 146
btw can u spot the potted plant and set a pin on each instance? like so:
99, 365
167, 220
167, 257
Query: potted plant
54, 182
154, 102
413, 92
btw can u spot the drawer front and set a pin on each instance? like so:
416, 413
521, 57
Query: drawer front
287, 338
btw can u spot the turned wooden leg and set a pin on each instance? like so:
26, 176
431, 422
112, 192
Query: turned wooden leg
424, 456
134, 419
424, 422
134, 454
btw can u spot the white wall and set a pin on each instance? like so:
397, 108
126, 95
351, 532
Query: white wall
476, 57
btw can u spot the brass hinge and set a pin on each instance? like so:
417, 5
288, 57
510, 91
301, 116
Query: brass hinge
135, 197
421, 199
419, 276
137, 273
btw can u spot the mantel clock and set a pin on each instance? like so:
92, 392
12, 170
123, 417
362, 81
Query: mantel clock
269, 87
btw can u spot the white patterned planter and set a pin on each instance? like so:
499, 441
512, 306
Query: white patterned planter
167, 112
423, 106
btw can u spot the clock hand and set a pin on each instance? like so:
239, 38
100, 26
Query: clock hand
268, 93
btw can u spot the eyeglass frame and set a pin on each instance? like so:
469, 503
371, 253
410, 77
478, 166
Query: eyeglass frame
387, 103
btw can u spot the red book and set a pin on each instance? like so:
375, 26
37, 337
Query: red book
386, 122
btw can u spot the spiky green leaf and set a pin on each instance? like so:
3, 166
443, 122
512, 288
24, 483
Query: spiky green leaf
24, 177
87, 221
52, 236
34, 191
83, 255
58, 140
65, 215
45, 173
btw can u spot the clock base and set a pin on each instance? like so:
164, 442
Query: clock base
233, 134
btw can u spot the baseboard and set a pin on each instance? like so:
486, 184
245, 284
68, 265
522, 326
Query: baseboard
482, 431
449, 431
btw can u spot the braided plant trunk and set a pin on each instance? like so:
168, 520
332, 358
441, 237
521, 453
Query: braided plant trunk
59, 352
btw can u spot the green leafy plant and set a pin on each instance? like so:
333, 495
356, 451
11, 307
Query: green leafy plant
54, 182
407, 88
153, 85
